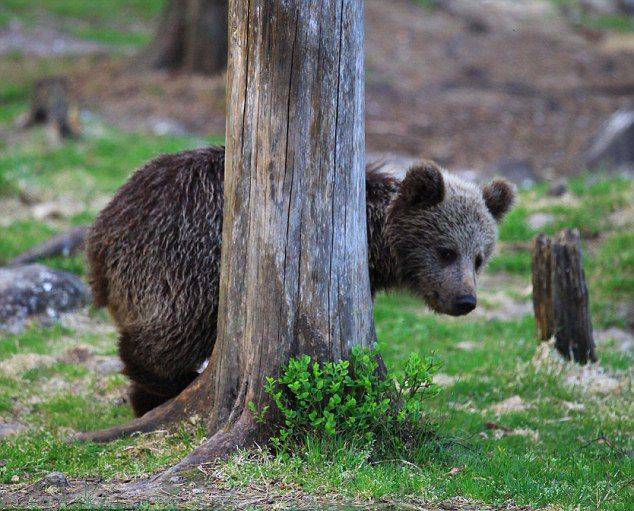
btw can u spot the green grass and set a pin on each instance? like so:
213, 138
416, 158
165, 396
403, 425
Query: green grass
57, 399
613, 23
610, 22
566, 465
426, 4
577, 456
608, 249
111, 10
31, 341
87, 167
111, 36
110, 22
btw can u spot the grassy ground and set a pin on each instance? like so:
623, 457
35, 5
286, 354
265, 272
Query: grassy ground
111, 22
614, 22
552, 442
515, 425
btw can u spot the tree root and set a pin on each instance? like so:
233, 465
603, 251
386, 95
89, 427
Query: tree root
242, 434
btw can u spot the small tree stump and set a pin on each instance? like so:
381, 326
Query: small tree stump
51, 104
573, 326
560, 295
542, 287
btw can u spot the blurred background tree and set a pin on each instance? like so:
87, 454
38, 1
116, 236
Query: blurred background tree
191, 37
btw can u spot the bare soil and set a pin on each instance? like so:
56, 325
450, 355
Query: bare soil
210, 494
499, 86
477, 85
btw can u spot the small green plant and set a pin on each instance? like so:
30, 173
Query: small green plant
351, 399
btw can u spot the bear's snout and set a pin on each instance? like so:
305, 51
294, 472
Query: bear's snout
463, 305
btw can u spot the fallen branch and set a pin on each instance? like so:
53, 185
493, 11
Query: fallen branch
61, 245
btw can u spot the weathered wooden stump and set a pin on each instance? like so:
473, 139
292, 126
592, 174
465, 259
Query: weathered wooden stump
560, 295
51, 104
542, 286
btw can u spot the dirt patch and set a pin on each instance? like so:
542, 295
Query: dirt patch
212, 493
500, 305
445, 380
503, 296
624, 340
41, 41
18, 364
589, 378
513, 404
11, 428
83, 322
83, 355
492, 87
524, 86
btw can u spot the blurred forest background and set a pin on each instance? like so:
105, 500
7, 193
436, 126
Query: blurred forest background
539, 91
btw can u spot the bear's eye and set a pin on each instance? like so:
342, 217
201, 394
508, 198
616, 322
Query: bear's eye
478, 262
447, 255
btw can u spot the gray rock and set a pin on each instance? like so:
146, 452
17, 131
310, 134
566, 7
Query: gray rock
56, 479
613, 146
35, 289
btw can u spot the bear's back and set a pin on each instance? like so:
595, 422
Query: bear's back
155, 248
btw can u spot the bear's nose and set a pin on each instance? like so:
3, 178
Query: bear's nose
464, 305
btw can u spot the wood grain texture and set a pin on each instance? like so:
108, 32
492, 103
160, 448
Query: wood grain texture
541, 270
573, 326
294, 275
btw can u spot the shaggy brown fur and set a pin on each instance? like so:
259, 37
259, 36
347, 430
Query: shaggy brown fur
154, 255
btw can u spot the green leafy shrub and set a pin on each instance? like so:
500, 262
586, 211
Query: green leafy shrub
351, 399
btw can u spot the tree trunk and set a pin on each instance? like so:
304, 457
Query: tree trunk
191, 37
294, 268
294, 275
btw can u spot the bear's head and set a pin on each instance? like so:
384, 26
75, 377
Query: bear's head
441, 231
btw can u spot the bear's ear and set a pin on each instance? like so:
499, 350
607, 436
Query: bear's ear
423, 185
499, 196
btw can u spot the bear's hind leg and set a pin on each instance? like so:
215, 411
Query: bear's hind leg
143, 397
143, 401
151, 385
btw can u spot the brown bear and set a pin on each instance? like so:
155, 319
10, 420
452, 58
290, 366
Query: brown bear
154, 256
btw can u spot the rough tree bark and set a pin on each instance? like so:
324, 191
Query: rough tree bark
294, 274
573, 326
560, 295
191, 37
542, 286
